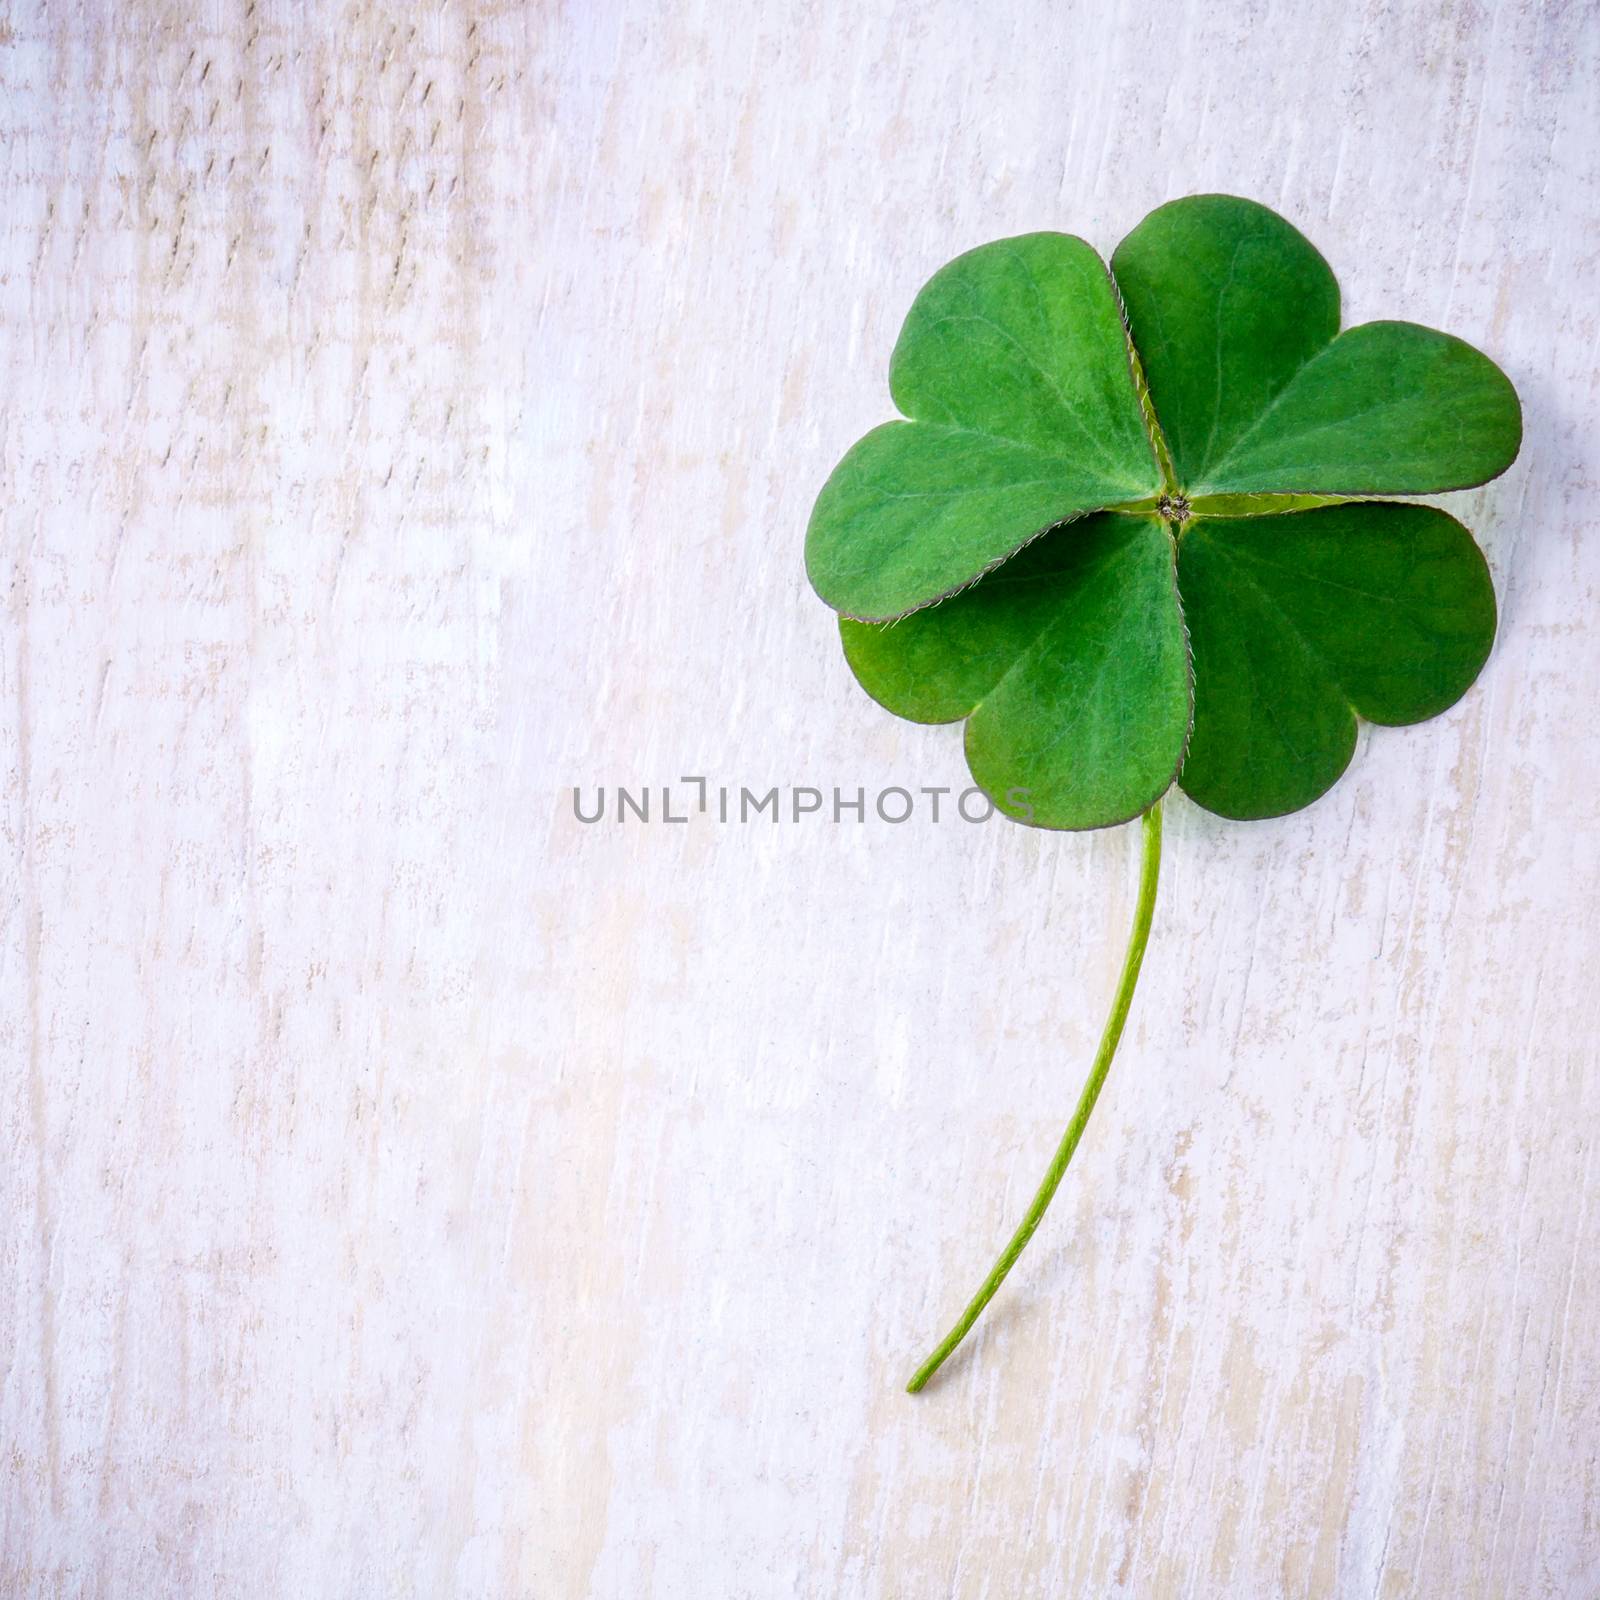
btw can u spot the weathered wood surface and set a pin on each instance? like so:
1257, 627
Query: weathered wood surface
406, 1190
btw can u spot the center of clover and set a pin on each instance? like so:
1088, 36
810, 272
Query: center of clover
1174, 507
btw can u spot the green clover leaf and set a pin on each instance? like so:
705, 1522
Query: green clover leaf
1029, 411
1133, 534
1013, 366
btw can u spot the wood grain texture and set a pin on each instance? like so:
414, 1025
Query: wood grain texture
408, 413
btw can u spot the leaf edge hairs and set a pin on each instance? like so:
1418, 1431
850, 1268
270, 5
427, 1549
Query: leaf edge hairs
1114, 533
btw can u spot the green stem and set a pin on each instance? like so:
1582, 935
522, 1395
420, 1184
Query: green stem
1149, 872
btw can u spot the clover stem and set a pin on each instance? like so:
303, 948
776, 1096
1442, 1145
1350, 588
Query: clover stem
1149, 872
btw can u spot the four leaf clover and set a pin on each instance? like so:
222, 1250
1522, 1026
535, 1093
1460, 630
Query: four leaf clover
1129, 535
1132, 533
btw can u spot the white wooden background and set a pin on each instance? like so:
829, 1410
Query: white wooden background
408, 413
